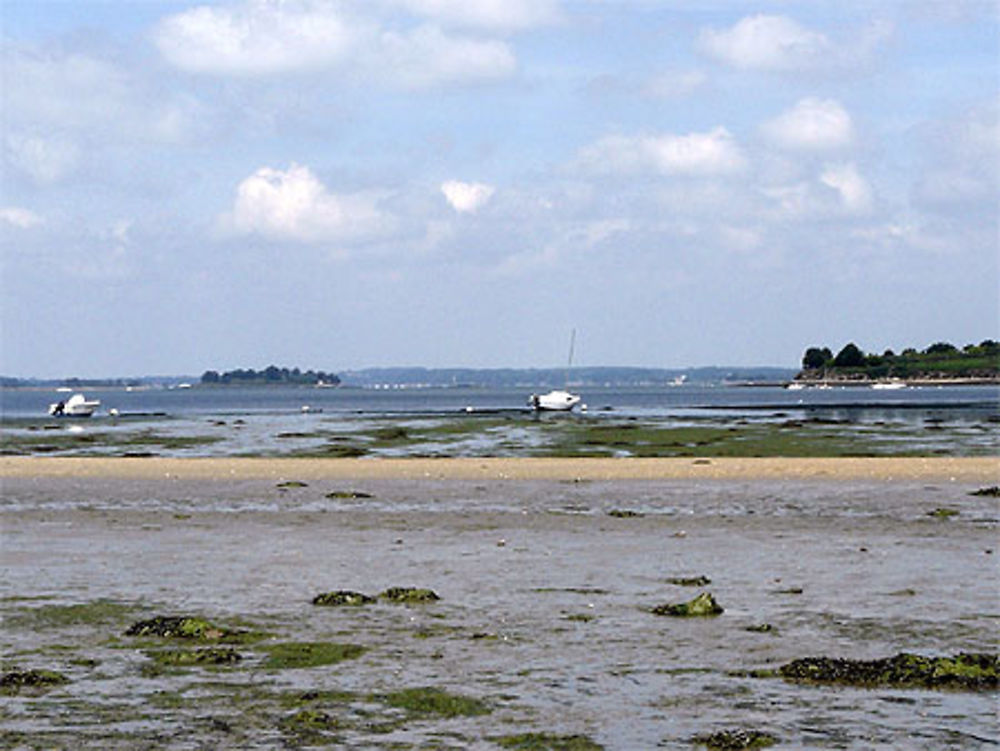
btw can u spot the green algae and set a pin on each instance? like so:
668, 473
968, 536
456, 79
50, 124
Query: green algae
547, 742
735, 740
192, 628
433, 701
991, 492
16, 681
704, 605
342, 597
409, 595
964, 671
348, 495
195, 657
94, 613
761, 628
287, 484
943, 513
293, 655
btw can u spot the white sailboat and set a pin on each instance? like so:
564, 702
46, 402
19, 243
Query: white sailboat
557, 400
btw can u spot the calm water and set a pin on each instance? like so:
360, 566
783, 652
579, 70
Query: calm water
650, 402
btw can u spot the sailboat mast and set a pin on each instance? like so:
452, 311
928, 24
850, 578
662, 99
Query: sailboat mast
569, 363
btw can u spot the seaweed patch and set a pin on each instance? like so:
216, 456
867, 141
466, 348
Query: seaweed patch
704, 605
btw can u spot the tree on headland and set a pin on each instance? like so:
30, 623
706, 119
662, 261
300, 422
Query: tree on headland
816, 357
271, 375
849, 357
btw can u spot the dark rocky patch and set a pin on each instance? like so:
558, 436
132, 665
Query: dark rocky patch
965, 671
689, 581
15, 681
735, 740
701, 606
409, 595
342, 597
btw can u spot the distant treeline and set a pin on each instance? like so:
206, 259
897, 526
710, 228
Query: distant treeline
272, 374
939, 360
90, 383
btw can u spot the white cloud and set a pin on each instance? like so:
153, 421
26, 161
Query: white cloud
855, 192
44, 160
812, 125
696, 154
295, 205
765, 42
427, 56
18, 217
257, 37
493, 15
467, 198
274, 37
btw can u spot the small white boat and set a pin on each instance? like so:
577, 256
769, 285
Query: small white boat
76, 406
794, 386
557, 400
889, 385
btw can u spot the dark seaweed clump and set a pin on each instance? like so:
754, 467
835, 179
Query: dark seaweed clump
702, 605
175, 626
965, 671
689, 581
991, 492
735, 740
409, 595
342, 597
14, 681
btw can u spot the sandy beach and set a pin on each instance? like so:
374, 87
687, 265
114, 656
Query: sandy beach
962, 469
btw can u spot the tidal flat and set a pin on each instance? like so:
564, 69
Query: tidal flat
178, 609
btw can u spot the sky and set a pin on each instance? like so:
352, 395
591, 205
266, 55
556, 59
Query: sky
340, 184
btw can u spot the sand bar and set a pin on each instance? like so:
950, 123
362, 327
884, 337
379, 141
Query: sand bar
965, 469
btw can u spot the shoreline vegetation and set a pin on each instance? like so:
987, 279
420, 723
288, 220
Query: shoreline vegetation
940, 364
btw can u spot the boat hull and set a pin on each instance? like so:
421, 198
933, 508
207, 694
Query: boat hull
554, 401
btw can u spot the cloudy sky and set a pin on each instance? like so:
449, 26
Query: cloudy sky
338, 184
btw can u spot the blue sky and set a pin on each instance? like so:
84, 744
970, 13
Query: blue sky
338, 184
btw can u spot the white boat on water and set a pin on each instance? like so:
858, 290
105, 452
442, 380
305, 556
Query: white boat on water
557, 400
889, 385
76, 406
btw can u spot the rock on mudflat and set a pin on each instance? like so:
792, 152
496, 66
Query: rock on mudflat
965, 671
342, 597
409, 595
702, 605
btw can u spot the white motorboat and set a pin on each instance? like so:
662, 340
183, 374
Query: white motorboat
558, 400
76, 406
889, 385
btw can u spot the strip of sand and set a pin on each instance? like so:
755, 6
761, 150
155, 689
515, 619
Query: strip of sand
984, 470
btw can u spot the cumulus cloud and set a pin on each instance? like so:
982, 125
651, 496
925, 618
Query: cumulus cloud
811, 125
275, 37
696, 154
765, 42
778, 43
43, 160
467, 198
426, 56
16, 216
294, 205
258, 37
854, 191
492, 15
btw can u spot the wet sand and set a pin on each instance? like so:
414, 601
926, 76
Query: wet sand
545, 597
963, 469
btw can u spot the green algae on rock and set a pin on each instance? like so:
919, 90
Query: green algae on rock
288, 655
702, 605
191, 657
190, 627
32, 681
735, 740
291, 484
342, 597
350, 495
547, 742
434, 701
760, 628
965, 671
618, 513
409, 595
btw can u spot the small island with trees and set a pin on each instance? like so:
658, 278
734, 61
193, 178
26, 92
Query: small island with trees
940, 363
272, 375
